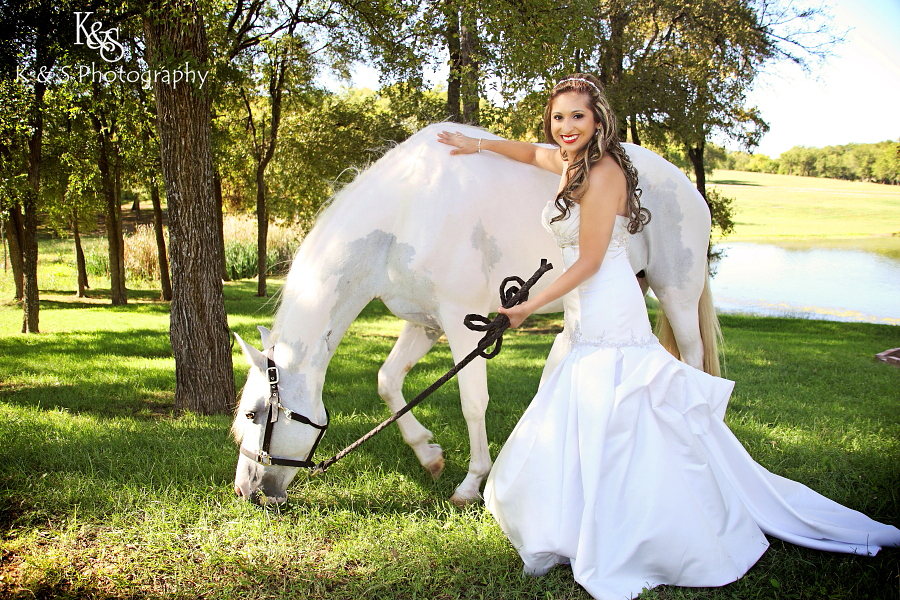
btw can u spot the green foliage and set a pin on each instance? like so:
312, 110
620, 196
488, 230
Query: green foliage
96, 260
241, 247
240, 259
323, 144
878, 162
721, 209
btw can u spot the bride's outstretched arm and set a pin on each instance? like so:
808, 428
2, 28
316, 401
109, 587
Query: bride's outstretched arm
532, 154
599, 207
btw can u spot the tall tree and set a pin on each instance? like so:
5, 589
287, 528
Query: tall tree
13, 131
174, 34
37, 34
280, 62
70, 174
104, 121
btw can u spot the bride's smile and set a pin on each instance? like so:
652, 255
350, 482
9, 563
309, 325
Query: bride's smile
572, 122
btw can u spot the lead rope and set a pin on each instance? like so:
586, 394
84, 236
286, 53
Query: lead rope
494, 333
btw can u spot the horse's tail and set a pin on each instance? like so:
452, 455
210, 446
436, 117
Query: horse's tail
710, 332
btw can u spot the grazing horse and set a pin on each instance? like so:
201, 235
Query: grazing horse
433, 236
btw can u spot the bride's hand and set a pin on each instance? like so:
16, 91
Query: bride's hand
516, 314
462, 144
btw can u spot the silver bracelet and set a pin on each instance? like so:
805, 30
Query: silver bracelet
479, 145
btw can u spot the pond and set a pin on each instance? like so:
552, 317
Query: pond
849, 283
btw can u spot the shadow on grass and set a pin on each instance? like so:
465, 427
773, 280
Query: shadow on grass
106, 346
149, 295
735, 182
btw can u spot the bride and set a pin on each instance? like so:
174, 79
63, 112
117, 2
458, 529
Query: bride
622, 464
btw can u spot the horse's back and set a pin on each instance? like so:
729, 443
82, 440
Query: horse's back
428, 228
469, 221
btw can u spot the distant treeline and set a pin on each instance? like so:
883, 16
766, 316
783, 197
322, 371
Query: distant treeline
856, 162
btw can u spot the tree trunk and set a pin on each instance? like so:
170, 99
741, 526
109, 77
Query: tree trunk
29, 209
696, 155
198, 325
80, 265
468, 40
117, 170
15, 235
262, 231
454, 81
613, 63
635, 139
220, 203
276, 87
165, 283
117, 293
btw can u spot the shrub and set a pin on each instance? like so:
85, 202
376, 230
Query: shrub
142, 262
240, 247
141, 254
96, 260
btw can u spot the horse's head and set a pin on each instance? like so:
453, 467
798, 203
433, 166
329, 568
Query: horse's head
277, 424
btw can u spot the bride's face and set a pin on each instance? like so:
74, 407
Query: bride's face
572, 121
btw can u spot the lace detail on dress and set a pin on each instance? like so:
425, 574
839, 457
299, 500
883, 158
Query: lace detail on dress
566, 241
573, 333
619, 240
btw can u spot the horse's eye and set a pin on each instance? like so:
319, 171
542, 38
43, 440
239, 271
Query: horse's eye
250, 415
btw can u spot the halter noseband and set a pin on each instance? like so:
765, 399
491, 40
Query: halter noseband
274, 403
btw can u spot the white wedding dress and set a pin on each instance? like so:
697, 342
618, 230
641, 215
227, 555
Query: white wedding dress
623, 466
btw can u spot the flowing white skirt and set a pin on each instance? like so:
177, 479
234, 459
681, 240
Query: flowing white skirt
622, 465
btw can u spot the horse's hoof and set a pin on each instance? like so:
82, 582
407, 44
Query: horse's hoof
462, 501
436, 467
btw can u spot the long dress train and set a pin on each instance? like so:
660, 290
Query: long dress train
623, 466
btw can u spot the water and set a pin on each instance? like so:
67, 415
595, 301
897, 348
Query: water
837, 284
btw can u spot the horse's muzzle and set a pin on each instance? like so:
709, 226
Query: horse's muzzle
260, 485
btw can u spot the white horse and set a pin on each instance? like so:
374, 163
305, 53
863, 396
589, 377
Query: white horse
433, 236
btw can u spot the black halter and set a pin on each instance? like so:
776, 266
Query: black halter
274, 403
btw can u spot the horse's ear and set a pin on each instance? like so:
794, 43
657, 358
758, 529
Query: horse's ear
254, 357
266, 337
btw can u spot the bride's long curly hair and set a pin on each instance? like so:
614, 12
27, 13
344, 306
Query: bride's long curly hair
605, 142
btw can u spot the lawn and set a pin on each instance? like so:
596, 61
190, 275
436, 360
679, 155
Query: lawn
105, 494
784, 208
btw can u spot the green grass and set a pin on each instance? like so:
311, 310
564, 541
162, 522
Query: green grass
786, 208
105, 494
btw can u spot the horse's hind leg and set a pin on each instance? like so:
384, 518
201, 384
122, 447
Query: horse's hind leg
414, 342
683, 316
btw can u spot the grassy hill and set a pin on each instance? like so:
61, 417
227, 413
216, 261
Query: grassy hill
785, 208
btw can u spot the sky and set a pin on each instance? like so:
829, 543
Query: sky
853, 97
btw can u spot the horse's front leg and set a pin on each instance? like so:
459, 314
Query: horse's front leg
473, 394
413, 343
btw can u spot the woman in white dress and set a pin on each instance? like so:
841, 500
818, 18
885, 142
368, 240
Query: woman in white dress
622, 464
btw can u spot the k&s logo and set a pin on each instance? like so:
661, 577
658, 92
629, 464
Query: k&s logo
96, 38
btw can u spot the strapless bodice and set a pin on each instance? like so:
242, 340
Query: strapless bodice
566, 230
607, 309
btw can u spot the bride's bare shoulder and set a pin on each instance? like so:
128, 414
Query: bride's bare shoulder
607, 172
